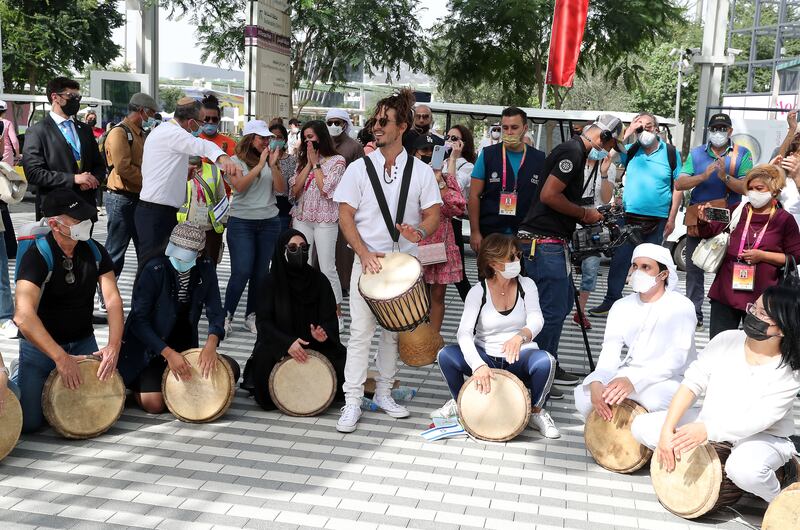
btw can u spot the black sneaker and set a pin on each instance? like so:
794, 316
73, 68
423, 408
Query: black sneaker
565, 378
601, 310
556, 393
699, 325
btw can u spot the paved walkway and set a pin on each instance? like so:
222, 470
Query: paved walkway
256, 469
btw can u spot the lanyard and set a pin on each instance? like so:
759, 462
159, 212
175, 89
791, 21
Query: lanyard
506, 162
69, 134
760, 234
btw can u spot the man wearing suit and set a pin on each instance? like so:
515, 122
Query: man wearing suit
61, 152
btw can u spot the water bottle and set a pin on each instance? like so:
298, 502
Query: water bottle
403, 393
368, 404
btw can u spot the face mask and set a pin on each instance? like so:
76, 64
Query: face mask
277, 144
646, 138
71, 107
294, 129
718, 139
512, 140
495, 135
426, 158
298, 258
210, 129
641, 282
149, 123
597, 154
182, 266
755, 328
91, 123
423, 128
512, 270
335, 130
81, 231
759, 199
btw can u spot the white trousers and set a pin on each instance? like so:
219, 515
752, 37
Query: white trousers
323, 236
753, 460
654, 397
362, 329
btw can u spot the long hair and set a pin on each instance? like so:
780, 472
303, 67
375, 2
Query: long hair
495, 248
326, 147
245, 151
782, 304
403, 104
468, 152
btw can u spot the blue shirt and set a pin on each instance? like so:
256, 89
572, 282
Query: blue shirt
648, 182
479, 171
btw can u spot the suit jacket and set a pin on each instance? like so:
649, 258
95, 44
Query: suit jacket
48, 161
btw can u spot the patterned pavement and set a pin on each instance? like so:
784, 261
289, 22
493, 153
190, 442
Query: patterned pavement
256, 469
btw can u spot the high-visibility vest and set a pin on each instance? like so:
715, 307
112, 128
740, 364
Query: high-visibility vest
209, 183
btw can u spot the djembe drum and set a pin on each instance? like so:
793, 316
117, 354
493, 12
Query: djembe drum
88, 411
498, 416
303, 389
199, 400
396, 294
611, 443
698, 484
784, 511
419, 346
10, 424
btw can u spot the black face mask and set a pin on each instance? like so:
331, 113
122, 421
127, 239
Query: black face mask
755, 328
297, 259
71, 107
91, 123
426, 158
423, 128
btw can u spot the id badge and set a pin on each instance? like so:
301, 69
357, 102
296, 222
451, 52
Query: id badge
508, 203
744, 277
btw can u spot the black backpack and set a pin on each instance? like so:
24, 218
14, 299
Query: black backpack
102, 143
520, 293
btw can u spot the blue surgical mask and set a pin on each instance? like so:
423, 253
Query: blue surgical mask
277, 144
149, 123
210, 129
182, 266
597, 154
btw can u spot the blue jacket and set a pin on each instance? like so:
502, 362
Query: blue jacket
154, 311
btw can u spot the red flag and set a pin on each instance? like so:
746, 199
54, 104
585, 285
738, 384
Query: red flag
569, 21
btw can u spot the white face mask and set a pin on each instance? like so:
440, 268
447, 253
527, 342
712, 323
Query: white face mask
641, 282
512, 270
718, 139
759, 199
81, 231
646, 138
335, 130
495, 135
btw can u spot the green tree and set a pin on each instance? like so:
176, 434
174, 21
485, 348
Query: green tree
169, 97
44, 39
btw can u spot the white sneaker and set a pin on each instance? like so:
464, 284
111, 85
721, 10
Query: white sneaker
8, 329
228, 325
387, 403
250, 323
349, 418
449, 410
542, 422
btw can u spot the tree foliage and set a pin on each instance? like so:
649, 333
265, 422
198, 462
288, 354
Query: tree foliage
46, 38
169, 97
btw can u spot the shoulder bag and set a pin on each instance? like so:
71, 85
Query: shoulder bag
710, 252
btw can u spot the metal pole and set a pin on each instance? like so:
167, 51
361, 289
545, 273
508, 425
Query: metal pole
2, 83
678, 89
710, 62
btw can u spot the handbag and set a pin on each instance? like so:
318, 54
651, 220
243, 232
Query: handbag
710, 252
432, 254
790, 276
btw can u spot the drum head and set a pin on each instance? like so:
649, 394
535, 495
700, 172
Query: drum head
692, 489
399, 272
303, 389
199, 400
784, 511
88, 411
10, 424
419, 346
501, 414
611, 443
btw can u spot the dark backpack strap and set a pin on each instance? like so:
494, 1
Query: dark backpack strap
382, 204
520, 290
47, 254
672, 158
98, 257
483, 303
632, 153
404, 186
592, 179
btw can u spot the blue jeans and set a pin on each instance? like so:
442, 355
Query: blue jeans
590, 266
535, 368
121, 227
548, 269
6, 300
621, 263
34, 367
250, 244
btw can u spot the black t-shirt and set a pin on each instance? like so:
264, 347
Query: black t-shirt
66, 309
566, 163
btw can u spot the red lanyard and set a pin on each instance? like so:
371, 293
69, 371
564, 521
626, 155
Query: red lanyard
747, 227
506, 162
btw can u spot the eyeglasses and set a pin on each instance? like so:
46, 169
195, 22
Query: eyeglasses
383, 122
69, 95
294, 247
756, 312
453, 138
423, 116
69, 277
721, 128
334, 123
211, 119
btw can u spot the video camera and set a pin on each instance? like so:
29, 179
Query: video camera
605, 236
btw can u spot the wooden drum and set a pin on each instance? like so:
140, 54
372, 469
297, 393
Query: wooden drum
199, 400
698, 484
10, 424
419, 346
611, 443
396, 295
784, 511
303, 389
88, 411
498, 416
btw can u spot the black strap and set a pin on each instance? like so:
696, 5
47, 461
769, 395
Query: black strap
520, 293
592, 179
382, 204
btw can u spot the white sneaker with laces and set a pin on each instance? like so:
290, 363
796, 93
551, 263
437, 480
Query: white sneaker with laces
388, 405
8, 329
449, 410
250, 323
349, 418
228, 324
542, 422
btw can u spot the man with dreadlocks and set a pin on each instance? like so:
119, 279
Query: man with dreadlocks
359, 219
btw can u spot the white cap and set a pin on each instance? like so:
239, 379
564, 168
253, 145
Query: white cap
3, 105
661, 255
258, 127
339, 114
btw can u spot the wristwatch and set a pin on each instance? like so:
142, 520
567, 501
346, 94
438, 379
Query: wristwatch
442, 185
523, 337
317, 166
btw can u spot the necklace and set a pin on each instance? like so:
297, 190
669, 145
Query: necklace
387, 178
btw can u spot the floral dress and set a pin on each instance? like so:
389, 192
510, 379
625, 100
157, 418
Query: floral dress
454, 205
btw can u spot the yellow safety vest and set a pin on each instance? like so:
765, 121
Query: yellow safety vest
209, 182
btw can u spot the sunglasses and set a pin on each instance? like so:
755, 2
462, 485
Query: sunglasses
383, 122
69, 95
718, 129
453, 138
211, 119
334, 123
69, 277
423, 116
294, 247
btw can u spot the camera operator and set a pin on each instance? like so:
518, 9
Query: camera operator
650, 200
550, 222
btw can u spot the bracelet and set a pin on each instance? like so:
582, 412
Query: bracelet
317, 166
523, 337
583, 215
422, 232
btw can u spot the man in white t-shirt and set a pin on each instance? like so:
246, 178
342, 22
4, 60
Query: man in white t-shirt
363, 225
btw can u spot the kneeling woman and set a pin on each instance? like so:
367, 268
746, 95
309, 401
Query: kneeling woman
296, 309
749, 379
500, 320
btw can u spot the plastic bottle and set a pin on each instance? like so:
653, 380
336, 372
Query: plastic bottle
403, 393
368, 404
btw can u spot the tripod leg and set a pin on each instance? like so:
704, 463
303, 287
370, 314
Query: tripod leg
583, 327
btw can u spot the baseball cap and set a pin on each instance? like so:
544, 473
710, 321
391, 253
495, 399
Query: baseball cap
258, 127
64, 201
140, 99
609, 122
3, 105
720, 119
186, 241
427, 140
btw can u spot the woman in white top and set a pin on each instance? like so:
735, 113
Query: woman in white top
749, 380
500, 320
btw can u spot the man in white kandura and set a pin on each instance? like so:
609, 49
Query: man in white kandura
656, 324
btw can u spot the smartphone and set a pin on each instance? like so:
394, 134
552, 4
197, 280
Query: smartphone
722, 215
437, 159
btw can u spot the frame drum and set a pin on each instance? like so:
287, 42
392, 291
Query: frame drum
784, 510
698, 484
303, 389
199, 400
88, 411
10, 424
611, 443
498, 416
419, 346
396, 295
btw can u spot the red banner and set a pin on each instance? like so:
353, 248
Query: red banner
569, 21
